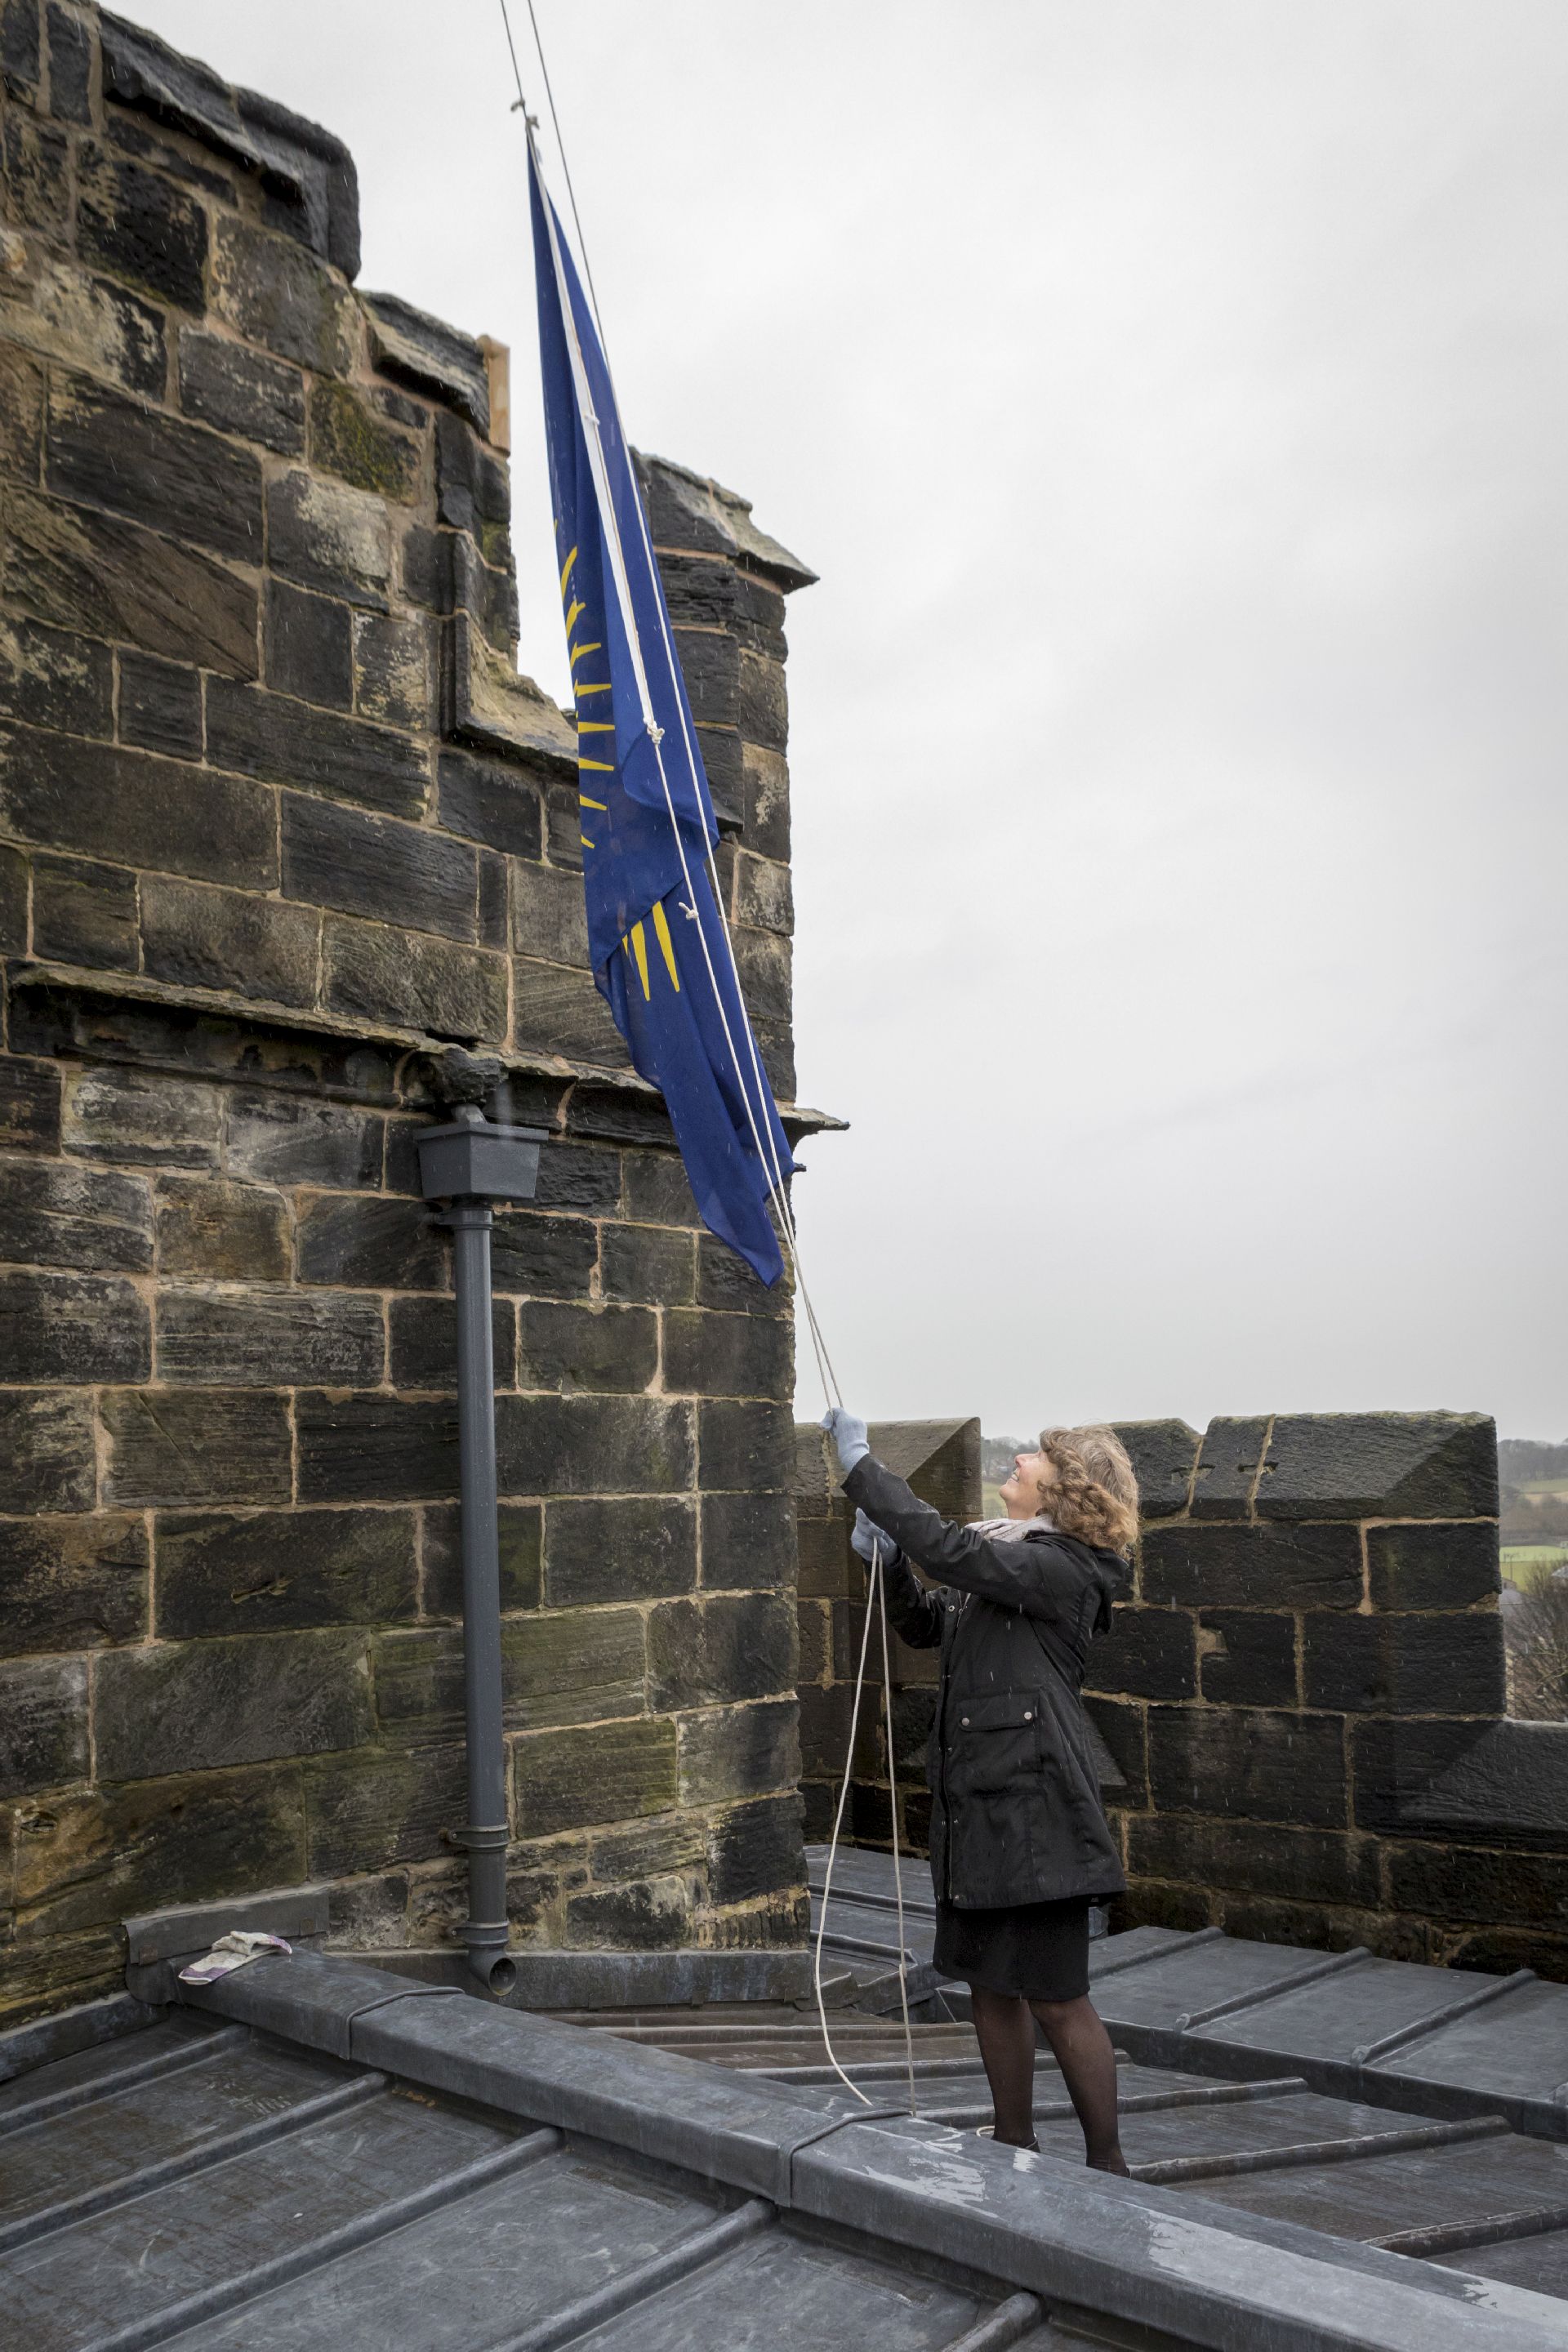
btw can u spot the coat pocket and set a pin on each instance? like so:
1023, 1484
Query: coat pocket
993, 1743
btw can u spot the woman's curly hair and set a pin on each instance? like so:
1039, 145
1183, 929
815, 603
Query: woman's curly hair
1094, 1496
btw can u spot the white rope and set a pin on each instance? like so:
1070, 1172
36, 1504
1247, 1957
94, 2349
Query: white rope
766, 1149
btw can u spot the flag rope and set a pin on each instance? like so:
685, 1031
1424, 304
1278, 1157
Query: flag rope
767, 1154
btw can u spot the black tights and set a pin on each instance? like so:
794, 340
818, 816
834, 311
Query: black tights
1082, 2047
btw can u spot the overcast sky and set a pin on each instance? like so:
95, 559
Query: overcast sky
1172, 396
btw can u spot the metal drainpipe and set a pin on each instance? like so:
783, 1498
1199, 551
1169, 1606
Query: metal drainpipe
470, 1165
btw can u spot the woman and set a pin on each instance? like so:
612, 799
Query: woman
1019, 1843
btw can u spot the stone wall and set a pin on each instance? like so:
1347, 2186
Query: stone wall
1301, 1700
290, 864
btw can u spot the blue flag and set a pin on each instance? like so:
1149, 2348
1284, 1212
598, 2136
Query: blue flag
660, 953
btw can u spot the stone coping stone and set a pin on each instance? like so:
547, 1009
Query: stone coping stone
1146, 2255
307, 1998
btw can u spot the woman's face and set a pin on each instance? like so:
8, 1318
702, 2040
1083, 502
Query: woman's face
1025, 1492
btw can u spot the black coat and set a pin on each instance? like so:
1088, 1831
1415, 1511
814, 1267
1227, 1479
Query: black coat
1016, 1809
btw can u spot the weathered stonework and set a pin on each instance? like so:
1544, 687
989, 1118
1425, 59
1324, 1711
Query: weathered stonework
1302, 1700
287, 864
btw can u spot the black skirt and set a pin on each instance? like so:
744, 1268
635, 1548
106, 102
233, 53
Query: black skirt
1039, 1950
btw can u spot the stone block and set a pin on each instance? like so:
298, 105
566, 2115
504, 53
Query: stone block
392, 670
1469, 1882
609, 1772
111, 1853
734, 1646
71, 1584
763, 899
184, 1706
1148, 1654
749, 1446
325, 536
472, 492
495, 802
1297, 1865
1431, 1566
1247, 1764
579, 1176
268, 1340
775, 1050
702, 591
193, 936
72, 1328
29, 1104
376, 1450
748, 1542
22, 394
1465, 1782
262, 734
730, 1752
654, 1915
756, 1849
139, 227
1357, 1466
349, 439
424, 1343
273, 292
592, 1446
763, 960
520, 1547
1163, 1454
586, 1668
227, 1572
495, 888
196, 1445
35, 174
611, 1349
558, 1009
1313, 1567
111, 579
721, 759
365, 866
1229, 1465
364, 1812
241, 392
1446, 1665
15, 876
542, 1257
710, 664
563, 826
727, 1282
141, 1116
47, 1454
635, 1549
54, 1213
377, 973
43, 1725
309, 646
764, 710
548, 922
102, 449
729, 1355
132, 808
765, 800
216, 1230
61, 314
276, 1138
1248, 1658
374, 1244
49, 678
647, 1263
159, 706
71, 66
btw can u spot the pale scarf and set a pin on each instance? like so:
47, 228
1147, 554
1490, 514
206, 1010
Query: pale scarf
1041, 1523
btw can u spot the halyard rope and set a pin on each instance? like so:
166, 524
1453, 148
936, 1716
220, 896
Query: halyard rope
762, 1133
